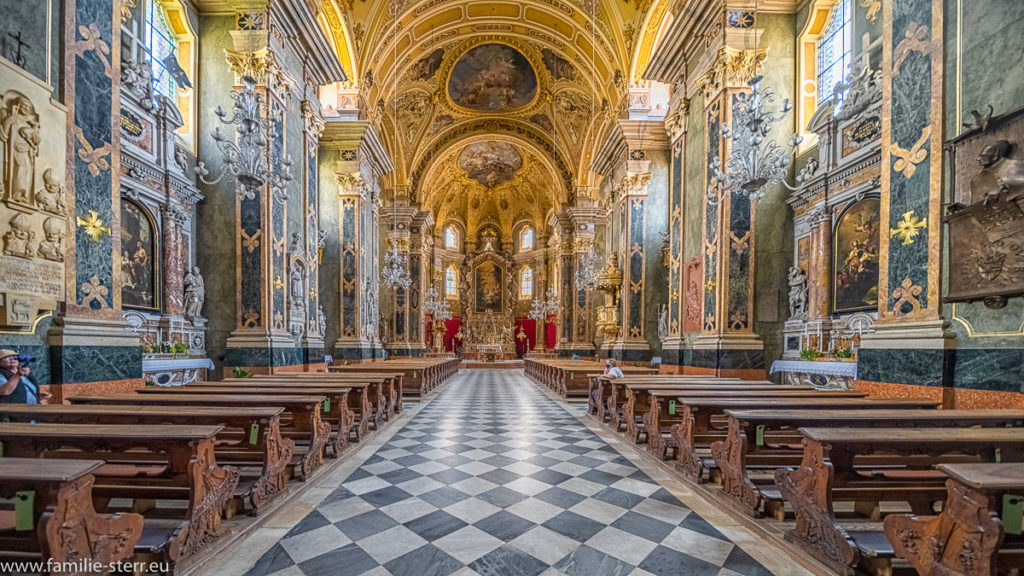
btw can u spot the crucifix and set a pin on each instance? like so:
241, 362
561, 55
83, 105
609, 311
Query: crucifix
16, 56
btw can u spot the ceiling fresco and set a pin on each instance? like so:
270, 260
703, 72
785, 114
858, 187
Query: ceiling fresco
501, 105
490, 163
492, 78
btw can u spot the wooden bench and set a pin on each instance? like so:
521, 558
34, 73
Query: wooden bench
763, 439
622, 406
420, 376
373, 406
334, 410
60, 521
967, 538
391, 383
696, 431
644, 418
305, 425
173, 463
828, 472
255, 432
364, 399
601, 387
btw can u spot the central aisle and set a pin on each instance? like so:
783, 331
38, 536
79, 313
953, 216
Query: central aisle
494, 475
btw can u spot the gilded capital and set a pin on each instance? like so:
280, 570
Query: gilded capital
732, 68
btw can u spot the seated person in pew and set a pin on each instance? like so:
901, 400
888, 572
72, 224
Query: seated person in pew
18, 386
611, 370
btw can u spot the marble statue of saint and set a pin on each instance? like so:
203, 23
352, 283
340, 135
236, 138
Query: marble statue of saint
52, 246
19, 133
195, 294
321, 320
51, 196
663, 323
797, 293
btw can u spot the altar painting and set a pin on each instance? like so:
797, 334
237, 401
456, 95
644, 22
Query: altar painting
488, 283
138, 258
855, 269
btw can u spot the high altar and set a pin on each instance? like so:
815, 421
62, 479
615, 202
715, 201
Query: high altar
488, 293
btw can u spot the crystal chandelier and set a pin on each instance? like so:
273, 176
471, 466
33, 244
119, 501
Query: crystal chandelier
755, 161
541, 308
587, 271
395, 273
248, 157
436, 306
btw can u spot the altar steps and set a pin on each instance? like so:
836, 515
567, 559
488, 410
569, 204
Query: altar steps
496, 365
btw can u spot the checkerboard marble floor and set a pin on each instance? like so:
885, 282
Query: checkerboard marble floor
493, 477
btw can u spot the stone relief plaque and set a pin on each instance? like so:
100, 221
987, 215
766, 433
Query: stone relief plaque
33, 197
986, 219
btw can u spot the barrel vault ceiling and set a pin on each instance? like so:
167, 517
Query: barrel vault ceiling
533, 75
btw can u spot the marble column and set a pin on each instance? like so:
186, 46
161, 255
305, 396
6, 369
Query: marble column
632, 343
911, 344
175, 257
675, 124
819, 275
88, 340
727, 344
313, 234
350, 343
261, 340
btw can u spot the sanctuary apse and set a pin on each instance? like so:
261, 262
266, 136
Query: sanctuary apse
551, 178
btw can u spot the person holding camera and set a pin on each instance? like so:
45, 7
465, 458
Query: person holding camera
18, 387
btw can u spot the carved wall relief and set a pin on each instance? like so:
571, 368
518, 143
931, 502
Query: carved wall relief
986, 219
33, 213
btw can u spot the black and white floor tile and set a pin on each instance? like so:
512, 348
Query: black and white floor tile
493, 477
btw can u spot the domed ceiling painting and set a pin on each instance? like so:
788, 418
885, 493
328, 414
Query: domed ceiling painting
490, 163
491, 78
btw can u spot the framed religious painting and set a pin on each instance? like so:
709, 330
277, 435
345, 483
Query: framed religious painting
488, 287
140, 258
855, 259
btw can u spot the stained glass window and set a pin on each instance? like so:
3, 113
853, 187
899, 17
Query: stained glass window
526, 283
835, 47
451, 239
451, 283
161, 42
526, 240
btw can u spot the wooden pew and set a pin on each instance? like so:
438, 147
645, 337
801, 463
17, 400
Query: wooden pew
828, 473
334, 411
760, 438
190, 472
306, 423
369, 401
64, 525
266, 448
420, 375
390, 383
967, 538
649, 411
619, 394
600, 387
695, 429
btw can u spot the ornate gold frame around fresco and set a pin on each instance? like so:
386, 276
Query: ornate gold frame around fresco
835, 253
157, 261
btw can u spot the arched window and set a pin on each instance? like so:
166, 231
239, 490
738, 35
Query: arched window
835, 48
824, 52
451, 282
526, 239
159, 32
526, 283
140, 258
451, 238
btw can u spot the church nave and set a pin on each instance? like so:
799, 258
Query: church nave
494, 477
